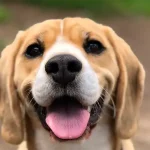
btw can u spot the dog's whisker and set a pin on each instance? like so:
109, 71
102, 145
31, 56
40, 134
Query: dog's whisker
103, 111
99, 105
28, 94
31, 101
111, 99
96, 108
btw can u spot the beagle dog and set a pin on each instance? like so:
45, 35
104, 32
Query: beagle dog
70, 84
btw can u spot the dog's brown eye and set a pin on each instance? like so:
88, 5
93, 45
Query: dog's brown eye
93, 46
34, 50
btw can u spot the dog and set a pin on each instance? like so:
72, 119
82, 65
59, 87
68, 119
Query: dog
70, 84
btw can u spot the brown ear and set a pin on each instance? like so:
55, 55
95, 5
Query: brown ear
130, 86
10, 107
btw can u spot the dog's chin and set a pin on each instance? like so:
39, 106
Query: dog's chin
68, 119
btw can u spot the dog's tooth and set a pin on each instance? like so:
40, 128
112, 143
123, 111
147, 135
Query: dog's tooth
89, 109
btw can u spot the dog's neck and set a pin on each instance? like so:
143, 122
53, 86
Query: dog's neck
101, 138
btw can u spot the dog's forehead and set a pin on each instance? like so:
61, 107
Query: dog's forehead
64, 26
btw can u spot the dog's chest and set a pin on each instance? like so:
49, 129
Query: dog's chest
100, 139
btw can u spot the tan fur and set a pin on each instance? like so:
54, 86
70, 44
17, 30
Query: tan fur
117, 67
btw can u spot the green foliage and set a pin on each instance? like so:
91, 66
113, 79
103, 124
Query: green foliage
4, 14
99, 7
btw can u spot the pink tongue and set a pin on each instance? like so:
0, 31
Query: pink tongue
68, 121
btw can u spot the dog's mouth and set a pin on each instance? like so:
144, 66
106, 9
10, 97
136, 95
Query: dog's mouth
67, 119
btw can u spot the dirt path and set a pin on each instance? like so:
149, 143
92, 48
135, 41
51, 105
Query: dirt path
136, 31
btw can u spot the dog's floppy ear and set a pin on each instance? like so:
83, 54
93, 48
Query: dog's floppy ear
11, 114
130, 86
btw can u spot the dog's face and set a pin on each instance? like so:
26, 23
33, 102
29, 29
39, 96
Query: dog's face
68, 70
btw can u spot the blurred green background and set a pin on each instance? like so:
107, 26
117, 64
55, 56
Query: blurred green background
129, 18
87, 8
98, 7
94, 7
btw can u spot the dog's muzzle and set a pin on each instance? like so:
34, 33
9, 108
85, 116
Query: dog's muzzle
68, 89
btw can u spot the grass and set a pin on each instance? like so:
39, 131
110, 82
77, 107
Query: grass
99, 7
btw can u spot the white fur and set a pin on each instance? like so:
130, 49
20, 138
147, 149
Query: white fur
87, 83
100, 139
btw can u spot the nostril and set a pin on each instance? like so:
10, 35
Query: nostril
74, 66
52, 67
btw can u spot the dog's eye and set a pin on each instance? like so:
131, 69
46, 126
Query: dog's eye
93, 46
34, 50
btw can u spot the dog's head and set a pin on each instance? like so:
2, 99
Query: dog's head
68, 70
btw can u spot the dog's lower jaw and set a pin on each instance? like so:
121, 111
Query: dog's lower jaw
100, 139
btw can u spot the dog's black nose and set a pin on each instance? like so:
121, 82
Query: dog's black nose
63, 68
